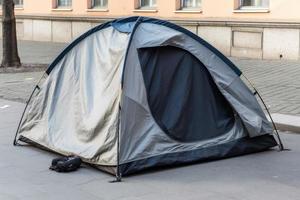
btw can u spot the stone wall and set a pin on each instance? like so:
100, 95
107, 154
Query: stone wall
258, 40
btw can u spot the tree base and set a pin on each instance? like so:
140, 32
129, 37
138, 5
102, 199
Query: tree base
24, 68
8, 65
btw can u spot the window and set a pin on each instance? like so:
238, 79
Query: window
18, 3
64, 3
147, 3
99, 3
190, 4
249, 4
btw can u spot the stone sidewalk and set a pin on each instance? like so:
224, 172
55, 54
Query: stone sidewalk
277, 81
37, 52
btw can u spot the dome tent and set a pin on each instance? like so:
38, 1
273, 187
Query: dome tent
137, 93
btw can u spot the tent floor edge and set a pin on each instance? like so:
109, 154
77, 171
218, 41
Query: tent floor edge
112, 170
234, 148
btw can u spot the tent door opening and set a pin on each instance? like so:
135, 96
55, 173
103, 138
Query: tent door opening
183, 98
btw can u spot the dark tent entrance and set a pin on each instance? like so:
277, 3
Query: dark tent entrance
183, 98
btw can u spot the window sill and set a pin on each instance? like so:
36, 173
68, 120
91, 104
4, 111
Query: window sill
62, 9
97, 10
16, 8
146, 10
188, 11
252, 11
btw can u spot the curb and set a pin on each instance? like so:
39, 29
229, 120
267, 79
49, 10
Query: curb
287, 122
24, 68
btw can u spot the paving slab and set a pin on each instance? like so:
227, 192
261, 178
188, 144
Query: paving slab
24, 174
37, 52
18, 86
276, 80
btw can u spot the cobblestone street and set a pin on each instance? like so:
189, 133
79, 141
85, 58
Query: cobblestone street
277, 81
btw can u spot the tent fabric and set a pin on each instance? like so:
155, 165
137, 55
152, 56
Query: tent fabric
147, 138
137, 93
237, 147
244, 102
77, 107
196, 38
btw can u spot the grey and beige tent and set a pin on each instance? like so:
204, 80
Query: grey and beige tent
137, 93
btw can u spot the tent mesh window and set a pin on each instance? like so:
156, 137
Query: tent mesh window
182, 96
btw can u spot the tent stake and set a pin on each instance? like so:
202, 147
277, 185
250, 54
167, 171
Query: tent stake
117, 179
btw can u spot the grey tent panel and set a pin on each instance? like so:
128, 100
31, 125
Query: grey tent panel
148, 139
151, 35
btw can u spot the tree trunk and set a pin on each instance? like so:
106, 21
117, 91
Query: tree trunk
10, 50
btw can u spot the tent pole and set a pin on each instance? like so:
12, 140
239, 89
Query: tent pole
118, 172
280, 144
15, 143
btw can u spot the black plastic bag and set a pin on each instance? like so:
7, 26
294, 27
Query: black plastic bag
66, 164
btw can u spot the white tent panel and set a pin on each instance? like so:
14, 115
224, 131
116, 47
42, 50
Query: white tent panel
76, 109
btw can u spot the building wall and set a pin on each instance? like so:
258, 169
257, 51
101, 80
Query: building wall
226, 9
272, 33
